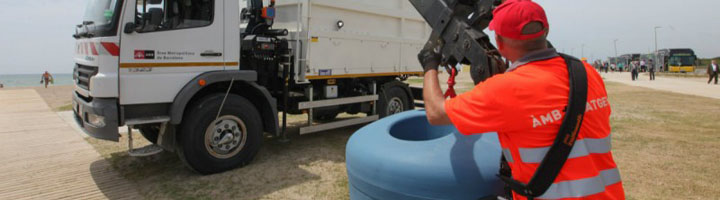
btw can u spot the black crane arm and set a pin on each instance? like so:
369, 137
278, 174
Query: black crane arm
458, 34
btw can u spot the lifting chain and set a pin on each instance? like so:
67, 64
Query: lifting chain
450, 93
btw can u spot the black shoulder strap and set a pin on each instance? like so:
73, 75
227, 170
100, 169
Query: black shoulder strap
557, 155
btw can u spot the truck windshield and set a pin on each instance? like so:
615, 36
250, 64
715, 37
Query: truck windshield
682, 61
101, 16
100, 12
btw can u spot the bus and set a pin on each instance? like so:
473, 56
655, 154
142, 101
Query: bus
677, 60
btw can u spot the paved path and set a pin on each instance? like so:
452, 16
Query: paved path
690, 86
44, 158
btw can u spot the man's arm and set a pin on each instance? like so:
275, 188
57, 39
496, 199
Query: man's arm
434, 99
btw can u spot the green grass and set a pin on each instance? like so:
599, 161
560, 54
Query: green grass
68, 107
309, 167
665, 143
415, 81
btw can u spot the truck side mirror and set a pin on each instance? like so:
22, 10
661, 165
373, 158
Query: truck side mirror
244, 14
156, 16
130, 28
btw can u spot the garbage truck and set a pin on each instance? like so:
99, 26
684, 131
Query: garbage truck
210, 79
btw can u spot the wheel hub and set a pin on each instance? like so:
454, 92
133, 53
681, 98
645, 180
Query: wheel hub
225, 137
394, 106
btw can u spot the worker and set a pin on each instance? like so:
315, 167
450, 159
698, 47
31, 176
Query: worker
526, 104
651, 65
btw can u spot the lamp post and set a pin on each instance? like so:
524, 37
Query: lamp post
616, 55
656, 48
582, 50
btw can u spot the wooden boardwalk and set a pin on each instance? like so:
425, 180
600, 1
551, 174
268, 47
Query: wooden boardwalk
42, 157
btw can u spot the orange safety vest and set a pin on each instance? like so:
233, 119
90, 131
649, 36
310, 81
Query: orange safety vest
526, 108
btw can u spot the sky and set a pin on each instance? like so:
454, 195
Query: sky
36, 34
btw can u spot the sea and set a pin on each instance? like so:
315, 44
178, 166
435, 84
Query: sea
33, 80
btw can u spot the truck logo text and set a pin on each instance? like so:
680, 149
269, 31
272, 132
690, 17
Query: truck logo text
144, 54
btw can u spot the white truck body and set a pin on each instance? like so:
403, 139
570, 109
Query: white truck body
144, 63
378, 36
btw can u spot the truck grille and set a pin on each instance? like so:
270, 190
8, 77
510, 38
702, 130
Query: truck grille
82, 75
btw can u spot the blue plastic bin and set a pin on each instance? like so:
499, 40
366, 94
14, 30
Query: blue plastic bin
404, 157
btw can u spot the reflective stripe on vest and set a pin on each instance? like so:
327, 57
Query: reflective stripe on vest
583, 187
508, 155
583, 147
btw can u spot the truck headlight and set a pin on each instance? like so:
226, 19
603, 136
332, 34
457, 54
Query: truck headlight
96, 120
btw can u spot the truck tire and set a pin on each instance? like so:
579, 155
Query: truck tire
150, 133
393, 100
209, 145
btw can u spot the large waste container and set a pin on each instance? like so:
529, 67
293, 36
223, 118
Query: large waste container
404, 157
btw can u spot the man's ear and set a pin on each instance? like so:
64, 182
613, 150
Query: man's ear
500, 43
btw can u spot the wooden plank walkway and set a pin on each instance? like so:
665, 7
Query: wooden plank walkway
43, 157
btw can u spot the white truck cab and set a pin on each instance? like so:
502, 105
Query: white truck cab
207, 78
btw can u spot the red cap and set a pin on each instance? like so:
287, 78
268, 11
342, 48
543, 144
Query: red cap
510, 18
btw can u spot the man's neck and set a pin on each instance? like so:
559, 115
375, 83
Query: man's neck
527, 53
540, 54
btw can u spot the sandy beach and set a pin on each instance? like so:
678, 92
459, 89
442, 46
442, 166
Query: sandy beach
57, 97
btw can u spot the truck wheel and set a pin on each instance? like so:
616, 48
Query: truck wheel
210, 144
150, 133
393, 100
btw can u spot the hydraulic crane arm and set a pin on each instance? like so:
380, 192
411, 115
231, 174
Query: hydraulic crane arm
458, 34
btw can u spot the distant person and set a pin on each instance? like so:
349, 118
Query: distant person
597, 65
713, 72
631, 68
634, 70
651, 69
46, 78
637, 70
643, 66
606, 66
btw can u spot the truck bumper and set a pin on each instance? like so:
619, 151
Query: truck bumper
97, 117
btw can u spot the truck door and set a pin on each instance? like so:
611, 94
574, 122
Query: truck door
167, 43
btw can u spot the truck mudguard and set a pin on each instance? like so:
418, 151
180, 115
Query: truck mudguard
404, 87
266, 105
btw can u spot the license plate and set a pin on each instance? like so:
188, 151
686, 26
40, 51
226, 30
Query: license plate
78, 110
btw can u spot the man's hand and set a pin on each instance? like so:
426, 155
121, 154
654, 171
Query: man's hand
429, 59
